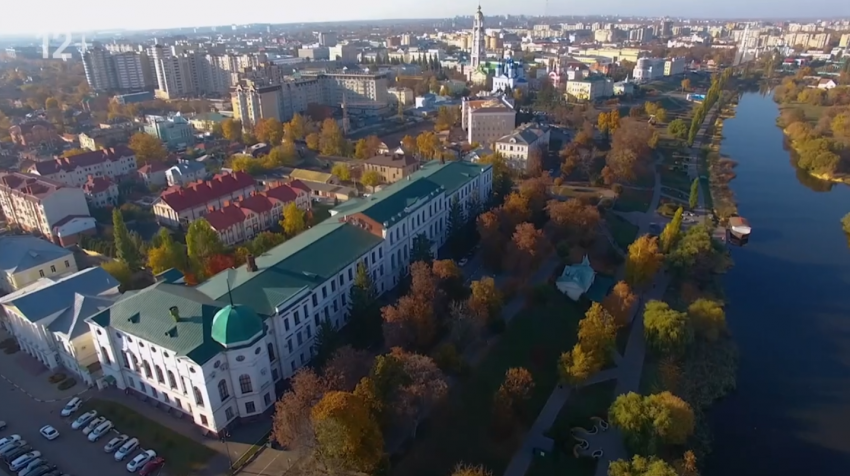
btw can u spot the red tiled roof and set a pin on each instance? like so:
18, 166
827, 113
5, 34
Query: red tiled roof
97, 184
299, 185
283, 193
49, 167
258, 203
226, 217
153, 167
200, 192
29, 185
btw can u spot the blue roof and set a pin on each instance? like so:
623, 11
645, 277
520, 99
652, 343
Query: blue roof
22, 252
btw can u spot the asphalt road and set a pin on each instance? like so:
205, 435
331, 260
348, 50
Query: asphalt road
71, 452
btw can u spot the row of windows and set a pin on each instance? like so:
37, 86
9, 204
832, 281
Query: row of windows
53, 268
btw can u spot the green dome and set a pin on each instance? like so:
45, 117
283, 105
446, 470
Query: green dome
235, 325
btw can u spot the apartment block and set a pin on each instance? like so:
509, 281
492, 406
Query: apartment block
178, 206
252, 102
674, 66
74, 171
487, 120
174, 131
521, 143
591, 88
38, 204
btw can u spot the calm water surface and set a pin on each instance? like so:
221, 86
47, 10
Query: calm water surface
789, 309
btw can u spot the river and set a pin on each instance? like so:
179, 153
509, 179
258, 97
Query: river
788, 312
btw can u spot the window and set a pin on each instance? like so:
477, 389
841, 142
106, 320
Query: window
286, 323
344, 303
131, 382
333, 286
341, 280
315, 301
228, 413
297, 318
171, 381
324, 292
275, 374
67, 264
271, 352
223, 393
204, 420
126, 361
316, 320
267, 399
350, 274
327, 314
373, 257
245, 383
147, 367
298, 336
309, 332
249, 408
199, 399
105, 355
292, 365
41, 273
158, 371
52, 268
302, 358
380, 252
336, 307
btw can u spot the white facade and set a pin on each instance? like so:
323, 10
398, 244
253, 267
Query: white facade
133, 71
487, 120
38, 209
517, 147
185, 173
110, 163
478, 54
648, 69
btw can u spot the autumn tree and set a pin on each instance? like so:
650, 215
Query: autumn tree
641, 466
686, 85
347, 436
312, 141
577, 365
341, 171
597, 332
293, 221
167, 255
282, 155
331, 139
291, 423
202, 242
73, 152
269, 130
513, 394
424, 385
534, 163
679, 425
428, 145
502, 182
147, 148
514, 211
218, 263
693, 198
648, 422
707, 318
469, 470
678, 129
297, 128
667, 330
573, 220
119, 270
449, 278
620, 302
420, 249
698, 255
528, 248
408, 144
643, 261
671, 231
485, 299
365, 313
536, 191
410, 323
346, 367
231, 129
447, 116
372, 179
492, 240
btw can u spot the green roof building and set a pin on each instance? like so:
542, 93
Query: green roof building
235, 326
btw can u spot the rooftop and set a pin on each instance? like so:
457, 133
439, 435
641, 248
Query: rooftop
262, 202
68, 164
392, 160
149, 314
200, 192
311, 175
30, 185
97, 184
22, 252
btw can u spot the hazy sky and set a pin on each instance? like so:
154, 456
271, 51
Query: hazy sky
80, 15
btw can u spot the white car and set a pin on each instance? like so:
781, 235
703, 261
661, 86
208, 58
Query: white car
83, 419
32, 464
72, 406
49, 432
22, 461
93, 424
462, 262
127, 448
9, 439
140, 460
101, 430
114, 443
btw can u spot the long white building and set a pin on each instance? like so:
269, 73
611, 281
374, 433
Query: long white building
216, 350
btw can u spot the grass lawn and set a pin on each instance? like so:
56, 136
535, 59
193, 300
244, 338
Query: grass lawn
461, 429
813, 113
633, 200
321, 211
583, 403
623, 231
182, 455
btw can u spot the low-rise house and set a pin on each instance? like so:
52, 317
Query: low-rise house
328, 192
518, 146
206, 122
101, 192
70, 230
153, 173
178, 206
243, 219
114, 163
392, 167
827, 83
25, 259
106, 137
37, 204
34, 133
313, 176
47, 318
187, 171
576, 279
591, 88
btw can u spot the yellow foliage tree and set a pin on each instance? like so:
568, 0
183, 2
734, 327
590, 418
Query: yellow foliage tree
347, 436
643, 261
293, 220
576, 365
147, 148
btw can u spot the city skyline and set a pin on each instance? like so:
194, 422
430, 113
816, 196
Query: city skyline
193, 14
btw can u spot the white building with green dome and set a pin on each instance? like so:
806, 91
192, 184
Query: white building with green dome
214, 352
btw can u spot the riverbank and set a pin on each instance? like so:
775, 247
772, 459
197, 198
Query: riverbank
720, 169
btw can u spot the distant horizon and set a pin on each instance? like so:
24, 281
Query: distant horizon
193, 14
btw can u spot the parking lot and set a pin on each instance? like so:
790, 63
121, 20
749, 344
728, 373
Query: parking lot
71, 452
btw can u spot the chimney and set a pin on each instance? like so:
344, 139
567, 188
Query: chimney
251, 263
226, 204
175, 313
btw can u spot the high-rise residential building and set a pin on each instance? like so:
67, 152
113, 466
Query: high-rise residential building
478, 54
358, 87
844, 42
99, 69
252, 102
327, 38
133, 71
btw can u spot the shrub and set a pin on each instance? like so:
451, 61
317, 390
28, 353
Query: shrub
558, 181
66, 384
57, 377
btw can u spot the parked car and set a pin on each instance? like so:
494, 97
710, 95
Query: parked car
20, 450
8, 440
49, 432
34, 468
83, 419
32, 464
93, 424
101, 430
114, 443
152, 466
22, 461
13, 446
54, 472
140, 460
42, 470
72, 406
2, 425
127, 448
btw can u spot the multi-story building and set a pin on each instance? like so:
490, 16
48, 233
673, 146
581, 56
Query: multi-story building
174, 131
252, 102
117, 71
590, 88
844, 42
105, 138
34, 134
401, 94
215, 351
99, 69
179, 206
357, 87
185, 172
25, 259
101, 192
674, 66
518, 146
37, 204
487, 120
392, 167
296, 95
153, 173
344, 53
648, 69
327, 38
74, 171
242, 220
47, 318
